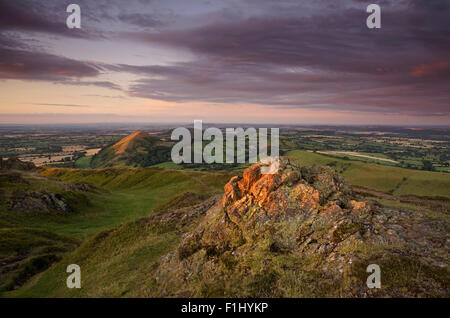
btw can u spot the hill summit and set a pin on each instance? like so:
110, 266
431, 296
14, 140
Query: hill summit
302, 233
139, 149
130, 141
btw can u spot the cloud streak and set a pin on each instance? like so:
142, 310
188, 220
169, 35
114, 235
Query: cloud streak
21, 64
328, 60
286, 54
61, 105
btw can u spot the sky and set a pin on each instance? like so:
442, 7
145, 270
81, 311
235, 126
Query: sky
227, 61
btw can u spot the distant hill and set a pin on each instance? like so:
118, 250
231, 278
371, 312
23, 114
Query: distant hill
139, 149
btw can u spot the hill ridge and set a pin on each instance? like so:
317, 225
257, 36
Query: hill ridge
123, 144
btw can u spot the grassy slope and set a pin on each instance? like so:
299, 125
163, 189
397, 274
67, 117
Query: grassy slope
125, 194
399, 181
24, 248
131, 193
120, 262
114, 263
26, 251
83, 162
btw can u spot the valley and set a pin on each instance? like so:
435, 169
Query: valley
75, 147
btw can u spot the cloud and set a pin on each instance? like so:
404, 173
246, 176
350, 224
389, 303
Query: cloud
41, 17
22, 64
324, 60
141, 20
103, 84
106, 96
287, 54
18, 64
433, 69
60, 105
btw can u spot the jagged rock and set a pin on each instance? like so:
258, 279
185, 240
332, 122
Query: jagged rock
307, 215
16, 164
328, 182
255, 201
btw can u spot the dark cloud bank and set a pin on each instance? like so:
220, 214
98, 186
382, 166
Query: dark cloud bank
282, 55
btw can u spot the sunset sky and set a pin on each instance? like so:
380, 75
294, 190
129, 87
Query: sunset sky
253, 61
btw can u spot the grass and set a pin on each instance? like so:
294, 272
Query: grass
26, 251
406, 275
83, 162
114, 263
122, 195
397, 181
168, 165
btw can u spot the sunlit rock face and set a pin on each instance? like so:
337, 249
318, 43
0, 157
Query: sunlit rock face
253, 200
287, 230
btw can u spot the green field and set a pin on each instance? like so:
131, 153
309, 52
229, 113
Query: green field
83, 162
397, 181
131, 249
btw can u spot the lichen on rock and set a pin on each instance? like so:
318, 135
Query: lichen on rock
287, 228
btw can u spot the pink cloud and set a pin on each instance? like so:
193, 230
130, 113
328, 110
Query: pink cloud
430, 69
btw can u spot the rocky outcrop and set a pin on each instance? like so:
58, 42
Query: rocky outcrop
16, 164
63, 201
21, 192
300, 232
40, 201
254, 204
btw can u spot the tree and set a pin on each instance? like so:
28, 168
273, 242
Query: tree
427, 165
